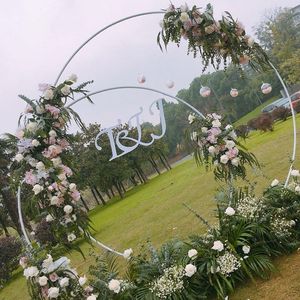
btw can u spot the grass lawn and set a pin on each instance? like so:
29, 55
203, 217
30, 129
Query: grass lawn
154, 211
254, 113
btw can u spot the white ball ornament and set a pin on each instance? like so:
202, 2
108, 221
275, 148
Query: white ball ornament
266, 88
141, 78
234, 93
205, 91
170, 84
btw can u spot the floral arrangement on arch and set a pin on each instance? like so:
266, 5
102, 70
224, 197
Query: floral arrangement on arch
216, 41
40, 163
216, 145
49, 279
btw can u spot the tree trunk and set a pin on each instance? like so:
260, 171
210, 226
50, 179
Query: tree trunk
139, 176
95, 197
123, 187
112, 191
133, 181
108, 194
154, 165
119, 190
84, 203
166, 160
143, 175
163, 162
100, 196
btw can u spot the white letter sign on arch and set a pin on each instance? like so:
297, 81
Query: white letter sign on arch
116, 140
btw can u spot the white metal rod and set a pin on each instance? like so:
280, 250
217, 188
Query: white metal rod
294, 125
21, 218
98, 32
137, 88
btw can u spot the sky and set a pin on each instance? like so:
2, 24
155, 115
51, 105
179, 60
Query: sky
37, 37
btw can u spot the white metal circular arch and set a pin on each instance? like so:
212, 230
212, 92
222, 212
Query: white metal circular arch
153, 90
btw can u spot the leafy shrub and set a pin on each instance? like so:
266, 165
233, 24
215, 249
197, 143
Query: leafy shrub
10, 250
242, 131
297, 107
43, 234
280, 113
264, 122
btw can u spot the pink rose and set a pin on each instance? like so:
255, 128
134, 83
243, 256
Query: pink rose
212, 139
64, 143
43, 87
232, 153
67, 171
53, 277
75, 195
54, 111
30, 178
52, 151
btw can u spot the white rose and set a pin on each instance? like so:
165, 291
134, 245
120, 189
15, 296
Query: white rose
204, 129
184, 7
19, 157
233, 135
48, 95
229, 211
216, 123
52, 133
47, 262
224, 159
228, 127
218, 246
39, 109
35, 143
32, 126
115, 286
49, 218
297, 189
53, 292
54, 200
212, 150
43, 280
235, 161
192, 253
40, 166
64, 282
184, 17
37, 189
71, 237
72, 187
66, 90
62, 177
190, 270
295, 173
275, 182
191, 118
250, 41
91, 297
31, 272
56, 162
68, 209
73, 77
82, 280
246, 249
127, 253
230, 144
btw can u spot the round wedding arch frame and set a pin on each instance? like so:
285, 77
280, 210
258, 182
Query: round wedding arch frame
294, 148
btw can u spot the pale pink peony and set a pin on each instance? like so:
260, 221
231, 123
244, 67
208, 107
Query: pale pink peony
232, 153
43, 87
75, 195
64, 143
30, 178
67, 171
52, 151
54, 111
53, 277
